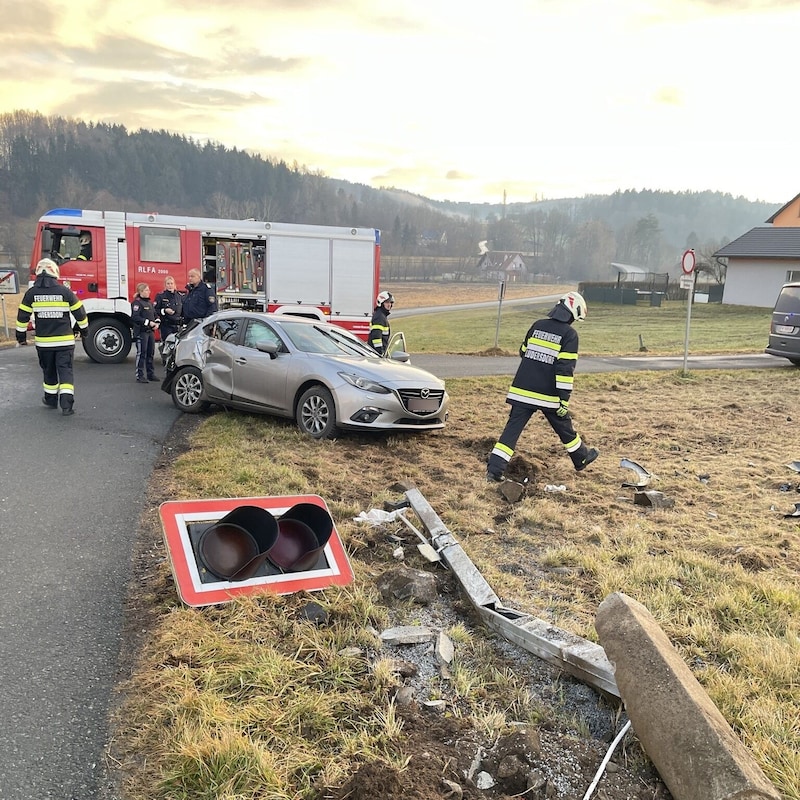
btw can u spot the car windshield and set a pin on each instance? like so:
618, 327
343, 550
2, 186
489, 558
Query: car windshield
324, 338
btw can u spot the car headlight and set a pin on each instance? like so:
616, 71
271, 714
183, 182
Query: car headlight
363, 383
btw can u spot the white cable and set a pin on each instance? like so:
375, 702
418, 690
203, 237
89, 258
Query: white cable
605, 761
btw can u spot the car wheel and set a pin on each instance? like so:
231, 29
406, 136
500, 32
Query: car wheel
187, 390
316, 413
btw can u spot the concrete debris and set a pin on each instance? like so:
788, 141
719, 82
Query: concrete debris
405, 583
795, 465
643, 477
694, 749
435, 705
445, 651
704, 477
483, 780
512, 491
407, 634
398, 554
553, 488
652, 499
404, 696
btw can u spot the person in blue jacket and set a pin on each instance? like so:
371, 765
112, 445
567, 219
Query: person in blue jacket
145, 324
200, 301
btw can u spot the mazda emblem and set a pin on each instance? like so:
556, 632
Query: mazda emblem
425, 392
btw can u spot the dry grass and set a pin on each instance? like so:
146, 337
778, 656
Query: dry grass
719, 571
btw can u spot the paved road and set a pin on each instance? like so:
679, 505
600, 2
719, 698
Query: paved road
70, 497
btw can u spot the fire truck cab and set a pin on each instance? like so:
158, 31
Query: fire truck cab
323, 272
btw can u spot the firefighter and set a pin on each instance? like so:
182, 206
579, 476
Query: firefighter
543, 382
85, 241
200, 300
145, 325
379, 331
50, 303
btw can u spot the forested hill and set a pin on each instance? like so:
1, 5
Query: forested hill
48, 162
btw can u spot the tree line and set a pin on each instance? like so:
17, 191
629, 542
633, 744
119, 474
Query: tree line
51, 162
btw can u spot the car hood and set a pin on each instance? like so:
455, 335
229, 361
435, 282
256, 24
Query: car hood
386, 371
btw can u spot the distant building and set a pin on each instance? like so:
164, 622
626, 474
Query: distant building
763, 259
502, 265
432, 239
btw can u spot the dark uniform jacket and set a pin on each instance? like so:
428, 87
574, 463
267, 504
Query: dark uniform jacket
199, 302
143, 316
173, 300
379, 330
549, 355
51, 303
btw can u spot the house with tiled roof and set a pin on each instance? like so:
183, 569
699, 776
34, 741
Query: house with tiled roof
502, 265
763, 259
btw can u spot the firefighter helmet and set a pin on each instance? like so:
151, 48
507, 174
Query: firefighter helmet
383, 297
48, 267
575, 304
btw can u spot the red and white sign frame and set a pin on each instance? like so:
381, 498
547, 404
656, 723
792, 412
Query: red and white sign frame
688, 262
176, 516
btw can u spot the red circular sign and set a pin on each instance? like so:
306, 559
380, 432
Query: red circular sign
687, 262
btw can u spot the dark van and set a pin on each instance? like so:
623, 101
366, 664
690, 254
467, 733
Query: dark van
784, 333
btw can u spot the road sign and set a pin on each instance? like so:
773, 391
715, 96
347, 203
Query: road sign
9, 281
688, 262
687, 281
182, 523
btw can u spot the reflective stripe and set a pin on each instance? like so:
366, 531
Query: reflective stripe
568, 356
564, 382
67, 388
54, 341
502, 451
532, 398
574, 445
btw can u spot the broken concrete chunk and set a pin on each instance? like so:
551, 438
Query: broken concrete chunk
444, 648
642, 475
695, 751
407, 634
795, 513
405, 583
653, 499
435, 705
512, 491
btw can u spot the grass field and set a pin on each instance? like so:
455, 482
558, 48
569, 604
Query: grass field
220, 695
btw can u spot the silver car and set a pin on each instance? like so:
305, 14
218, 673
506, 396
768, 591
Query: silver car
317, 373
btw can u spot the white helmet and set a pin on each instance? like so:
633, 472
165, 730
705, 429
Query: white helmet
85, 239
575, 304
383, 297
48, 267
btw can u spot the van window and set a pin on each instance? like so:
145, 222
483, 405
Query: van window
160, 244
788, 300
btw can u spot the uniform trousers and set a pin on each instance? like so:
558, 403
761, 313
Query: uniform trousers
56, 364
518, 418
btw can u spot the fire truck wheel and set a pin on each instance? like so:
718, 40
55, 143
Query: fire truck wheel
316, 413
187, 391
108, 341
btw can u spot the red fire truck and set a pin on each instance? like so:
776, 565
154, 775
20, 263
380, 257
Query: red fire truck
327, 273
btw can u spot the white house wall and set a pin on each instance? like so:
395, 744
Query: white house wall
754, 281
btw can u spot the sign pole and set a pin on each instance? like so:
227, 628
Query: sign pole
687, 282
501, 293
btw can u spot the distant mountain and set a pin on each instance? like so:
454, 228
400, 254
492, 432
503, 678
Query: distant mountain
50, 162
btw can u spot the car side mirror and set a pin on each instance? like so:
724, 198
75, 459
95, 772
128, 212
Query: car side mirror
268, 347
400, 355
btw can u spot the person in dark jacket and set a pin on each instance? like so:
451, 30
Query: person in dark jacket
169, 306
51, 304
543, 382
200, 300
379, 330
145, 324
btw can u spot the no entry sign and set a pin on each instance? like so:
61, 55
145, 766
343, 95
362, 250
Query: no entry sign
184, 523
688, 262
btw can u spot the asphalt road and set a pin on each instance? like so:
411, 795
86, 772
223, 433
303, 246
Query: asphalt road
70, 497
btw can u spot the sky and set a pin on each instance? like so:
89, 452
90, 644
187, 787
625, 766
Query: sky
462, 100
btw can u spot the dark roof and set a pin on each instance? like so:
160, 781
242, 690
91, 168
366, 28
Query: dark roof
782, 208
764, 242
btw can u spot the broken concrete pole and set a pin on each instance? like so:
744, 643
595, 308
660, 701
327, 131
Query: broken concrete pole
693, 748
